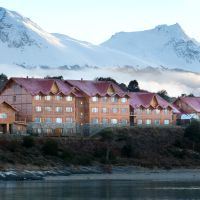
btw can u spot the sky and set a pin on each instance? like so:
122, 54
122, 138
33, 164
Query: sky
96, 20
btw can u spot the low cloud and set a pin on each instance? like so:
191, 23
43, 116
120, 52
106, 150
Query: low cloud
176, 82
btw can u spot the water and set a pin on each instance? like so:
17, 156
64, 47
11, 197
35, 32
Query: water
99, 190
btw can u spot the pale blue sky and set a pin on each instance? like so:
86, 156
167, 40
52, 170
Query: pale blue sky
96, 20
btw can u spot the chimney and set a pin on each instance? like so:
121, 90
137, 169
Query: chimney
27, 77
81, 79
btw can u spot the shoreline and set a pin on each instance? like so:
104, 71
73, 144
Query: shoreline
97, 173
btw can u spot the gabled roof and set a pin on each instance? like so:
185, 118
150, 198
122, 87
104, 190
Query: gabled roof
36, 86
144, 99
193, 102
93, 88
5, 102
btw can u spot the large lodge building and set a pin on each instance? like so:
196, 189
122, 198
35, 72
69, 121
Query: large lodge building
64, 107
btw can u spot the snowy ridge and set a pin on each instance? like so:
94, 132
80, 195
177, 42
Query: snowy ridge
24, 43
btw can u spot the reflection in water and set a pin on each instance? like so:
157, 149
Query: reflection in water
96, 190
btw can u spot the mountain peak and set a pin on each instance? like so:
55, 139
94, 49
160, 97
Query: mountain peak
174, 30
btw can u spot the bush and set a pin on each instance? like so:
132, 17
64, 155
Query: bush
13, 145
50, 147
28, 141
107, 135
192, 132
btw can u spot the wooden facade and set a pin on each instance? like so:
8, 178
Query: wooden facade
150, 109
7, 117
60, 104
55, 101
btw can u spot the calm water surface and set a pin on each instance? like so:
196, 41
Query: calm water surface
99, 189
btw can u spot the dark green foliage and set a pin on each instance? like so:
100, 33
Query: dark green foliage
191, 95
82, 159
164, 95
121, 85
133, 86
54, 77
106, 79
3, 80
13, 145
192, 132
50, 147
67, 155
107, 135
28, 141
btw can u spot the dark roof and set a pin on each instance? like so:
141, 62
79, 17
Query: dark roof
193, 102
36, 86
5, 102
92, 88
138, 99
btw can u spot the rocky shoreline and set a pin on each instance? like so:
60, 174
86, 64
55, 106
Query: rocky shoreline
20, 175
100, 173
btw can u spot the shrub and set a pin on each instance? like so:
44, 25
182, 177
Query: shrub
83, 159
192, 132
13, 145
50, 147
28, 141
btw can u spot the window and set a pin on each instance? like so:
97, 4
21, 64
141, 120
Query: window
94, 99
165, 111
48, 98
38, 108
139, 111
38, 97
114, 99
48, 109
104, 99
104, 121
48, 120
3, 116
95, 121
157, 122
157, 111
69, 98
58, 109
166, 122
14, 98
39, 130
124, 110
148, 111
115, 110
49, 130
69, 109
38, 120
124, 100
148, 122
139, 121
104, 110
94, 110
114, 121
69, 120
58, 97
124, 121
58, 120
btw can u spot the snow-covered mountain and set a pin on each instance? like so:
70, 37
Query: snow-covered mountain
22, 42
164, 45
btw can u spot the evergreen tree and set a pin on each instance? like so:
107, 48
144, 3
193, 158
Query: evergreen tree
164, 95
3, 80
133, 86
